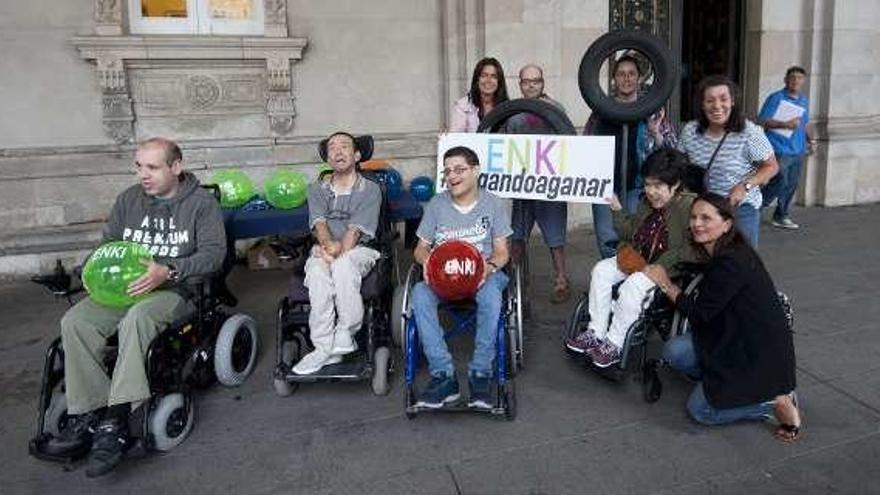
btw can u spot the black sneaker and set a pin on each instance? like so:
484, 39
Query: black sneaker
75, 439
481, 397
441, 390
111, 439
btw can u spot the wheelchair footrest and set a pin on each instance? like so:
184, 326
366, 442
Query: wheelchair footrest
350, 370
457, 407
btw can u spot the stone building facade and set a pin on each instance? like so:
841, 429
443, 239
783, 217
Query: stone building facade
79, 86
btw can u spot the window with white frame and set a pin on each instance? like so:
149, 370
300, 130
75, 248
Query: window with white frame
200, 17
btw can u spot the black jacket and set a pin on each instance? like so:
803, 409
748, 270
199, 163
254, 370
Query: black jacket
741, 338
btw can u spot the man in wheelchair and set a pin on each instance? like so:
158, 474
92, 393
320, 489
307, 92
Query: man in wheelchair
462, 212
182, 226
344, 212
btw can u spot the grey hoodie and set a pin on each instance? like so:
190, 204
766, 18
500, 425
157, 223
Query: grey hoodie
186, 230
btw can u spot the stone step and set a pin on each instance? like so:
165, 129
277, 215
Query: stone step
50, 239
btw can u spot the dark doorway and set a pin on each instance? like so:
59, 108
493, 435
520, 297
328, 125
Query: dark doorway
712, 38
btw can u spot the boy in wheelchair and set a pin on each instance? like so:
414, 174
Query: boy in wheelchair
343, 215
656, 234
182, 225
463, 212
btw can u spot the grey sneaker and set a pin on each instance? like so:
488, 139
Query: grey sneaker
583, 342
605, 354
480, 389
785, 223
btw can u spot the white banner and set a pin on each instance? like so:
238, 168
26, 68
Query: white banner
577, 169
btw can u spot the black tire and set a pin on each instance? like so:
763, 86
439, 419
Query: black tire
665, 75
509, 400
579, 318
55, 418
549, 113
652, 387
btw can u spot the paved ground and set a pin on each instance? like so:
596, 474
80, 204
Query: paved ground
576, 433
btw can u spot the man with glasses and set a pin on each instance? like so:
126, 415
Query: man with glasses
462, 212
645, 137
551, 216
343, 215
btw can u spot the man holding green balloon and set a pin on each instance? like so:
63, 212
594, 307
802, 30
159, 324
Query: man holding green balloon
343, 214
163, 230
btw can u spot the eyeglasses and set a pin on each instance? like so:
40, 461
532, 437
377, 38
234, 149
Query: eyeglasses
455, 171
533, 82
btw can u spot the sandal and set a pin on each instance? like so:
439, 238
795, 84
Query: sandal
561, 291
787, 432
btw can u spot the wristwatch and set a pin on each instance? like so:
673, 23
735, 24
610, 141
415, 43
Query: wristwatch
173, 274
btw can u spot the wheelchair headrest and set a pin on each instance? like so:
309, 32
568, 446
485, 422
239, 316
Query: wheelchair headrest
364, 144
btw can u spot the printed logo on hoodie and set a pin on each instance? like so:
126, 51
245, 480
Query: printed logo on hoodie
159, 235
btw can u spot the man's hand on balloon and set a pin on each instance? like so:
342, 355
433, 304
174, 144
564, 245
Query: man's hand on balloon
156, 275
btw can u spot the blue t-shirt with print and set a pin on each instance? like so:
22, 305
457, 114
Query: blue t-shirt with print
486, 221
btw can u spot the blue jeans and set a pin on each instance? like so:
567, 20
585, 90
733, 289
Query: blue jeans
748, 220
680, 355
603, 224
783, 186
489, 303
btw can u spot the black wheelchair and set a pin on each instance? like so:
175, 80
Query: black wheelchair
459, 318
658, 316
191, 353
372, 361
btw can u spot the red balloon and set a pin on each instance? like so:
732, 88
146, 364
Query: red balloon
454, 270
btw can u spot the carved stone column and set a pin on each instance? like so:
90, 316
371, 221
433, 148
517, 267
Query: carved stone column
279, 99
276, 18
108, 17
116, 100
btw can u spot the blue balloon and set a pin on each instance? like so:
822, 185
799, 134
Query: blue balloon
422, 188
393, 182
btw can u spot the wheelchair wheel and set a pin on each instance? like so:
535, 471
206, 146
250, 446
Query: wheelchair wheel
171, 421
55, 418
381, 365
397, 320
290, 352
580, 316
515, 293
508, 400
652, 387
236, 351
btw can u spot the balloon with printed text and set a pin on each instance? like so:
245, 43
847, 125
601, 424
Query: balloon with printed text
454, 270
236, 188
111, 268
286, 189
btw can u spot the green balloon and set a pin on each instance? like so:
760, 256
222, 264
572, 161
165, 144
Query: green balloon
236, 188
109, 271
286, 189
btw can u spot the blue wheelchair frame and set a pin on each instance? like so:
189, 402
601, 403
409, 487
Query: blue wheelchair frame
464, 322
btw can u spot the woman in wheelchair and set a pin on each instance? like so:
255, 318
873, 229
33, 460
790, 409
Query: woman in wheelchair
740, 347
656, 234
467, 213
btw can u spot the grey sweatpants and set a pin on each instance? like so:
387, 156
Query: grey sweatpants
84, 332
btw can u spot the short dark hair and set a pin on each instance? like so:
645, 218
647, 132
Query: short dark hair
500, 92
354, 142
666, 165
171, 149
463, 151
630, 59
795, 69
737, 120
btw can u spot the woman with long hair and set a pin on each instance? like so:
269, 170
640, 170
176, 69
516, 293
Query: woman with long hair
487, 90
740, 347
734, 151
